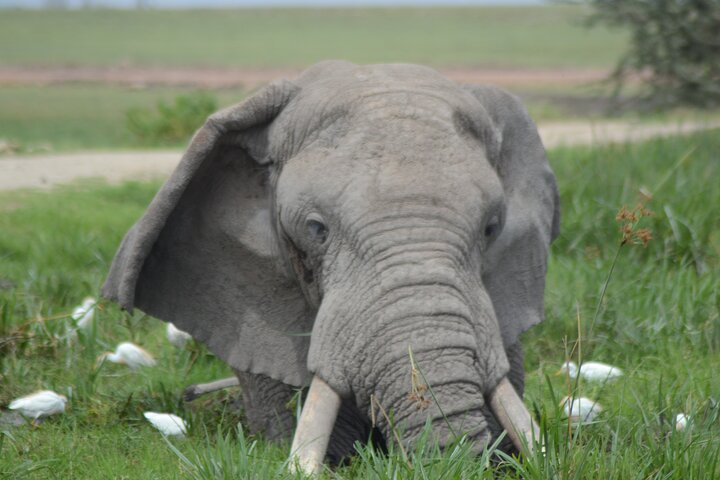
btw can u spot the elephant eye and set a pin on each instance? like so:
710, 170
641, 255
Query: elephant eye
317, 230
492, 227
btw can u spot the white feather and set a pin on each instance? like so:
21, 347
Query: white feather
131, 355
39, 404
176, 336
681, 421
581, 409
167, 423
83, 314
591, 371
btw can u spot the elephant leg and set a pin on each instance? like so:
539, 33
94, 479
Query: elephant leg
265, 402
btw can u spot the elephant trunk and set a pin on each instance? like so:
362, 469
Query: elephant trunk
450, 417
436, 385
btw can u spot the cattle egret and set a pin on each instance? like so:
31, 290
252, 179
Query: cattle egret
129, 354
167, 423
591, 371
681, 421
176, 336
83, 314
580, 410
39, 404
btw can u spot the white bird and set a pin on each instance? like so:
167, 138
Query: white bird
176, 336
129, 354
167, 423
39, 404
83, 314
591, 371
581, 409
681, 421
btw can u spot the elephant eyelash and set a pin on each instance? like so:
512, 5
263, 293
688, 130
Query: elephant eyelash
299, 260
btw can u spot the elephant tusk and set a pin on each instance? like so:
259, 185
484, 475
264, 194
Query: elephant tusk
314, 428
514, 417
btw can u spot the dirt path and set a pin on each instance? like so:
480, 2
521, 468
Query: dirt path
251, 78
43, 171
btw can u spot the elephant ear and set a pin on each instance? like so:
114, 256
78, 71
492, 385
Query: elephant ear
205, 255
517, 261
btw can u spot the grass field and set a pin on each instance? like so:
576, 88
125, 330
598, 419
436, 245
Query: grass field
81, 117
42, 118
524, 37
75, 117
658, 320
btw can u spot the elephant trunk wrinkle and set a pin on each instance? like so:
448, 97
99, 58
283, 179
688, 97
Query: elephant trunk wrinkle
440, 385
412, 226
418, 244
400, 302
417, 316
419, 270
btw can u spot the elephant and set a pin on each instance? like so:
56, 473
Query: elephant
377, 232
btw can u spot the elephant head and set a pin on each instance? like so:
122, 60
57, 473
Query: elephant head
326, 226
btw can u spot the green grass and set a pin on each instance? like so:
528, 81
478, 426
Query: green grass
659, 321
78, 117
548, 36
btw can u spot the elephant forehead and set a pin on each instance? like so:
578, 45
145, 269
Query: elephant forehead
326, 111
452, 181
372, 171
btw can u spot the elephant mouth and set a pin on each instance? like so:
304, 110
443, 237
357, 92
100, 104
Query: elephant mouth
323, 403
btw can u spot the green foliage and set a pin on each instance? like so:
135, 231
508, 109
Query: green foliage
674, 47
79, 117
666, 292
232, 455
172, 123
659, 320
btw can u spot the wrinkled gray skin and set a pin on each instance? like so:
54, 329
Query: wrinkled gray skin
327, 225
